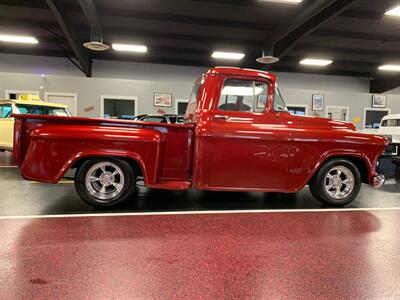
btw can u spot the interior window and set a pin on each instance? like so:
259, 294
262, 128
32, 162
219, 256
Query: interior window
373, 118
5, 111
297, 110
243, 95
279, 104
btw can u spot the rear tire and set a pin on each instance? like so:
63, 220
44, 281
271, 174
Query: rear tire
337, 182
105, 182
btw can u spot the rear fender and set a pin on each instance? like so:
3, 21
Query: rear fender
54, 148
83, 155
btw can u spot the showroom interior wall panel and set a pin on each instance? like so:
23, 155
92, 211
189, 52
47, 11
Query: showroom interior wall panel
395, 91
356, 102
142, 80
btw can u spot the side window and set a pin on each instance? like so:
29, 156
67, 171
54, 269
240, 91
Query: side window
243, 95
5, 111
279, 104
384, 123
191, 107
392, 122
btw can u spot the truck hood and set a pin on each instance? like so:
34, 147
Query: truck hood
324, 123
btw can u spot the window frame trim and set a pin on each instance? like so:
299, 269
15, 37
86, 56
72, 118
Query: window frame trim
224, 77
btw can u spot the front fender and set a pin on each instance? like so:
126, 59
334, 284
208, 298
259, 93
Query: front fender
345, 153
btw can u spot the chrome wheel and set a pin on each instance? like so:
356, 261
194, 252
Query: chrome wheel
339, 182
104, 181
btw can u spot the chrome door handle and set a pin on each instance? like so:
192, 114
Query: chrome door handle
221, 117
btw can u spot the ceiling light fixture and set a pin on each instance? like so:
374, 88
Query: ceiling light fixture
391, 68
316, 62
393, 12
129, 48
96, 46
228, 55
18, 39
284, 1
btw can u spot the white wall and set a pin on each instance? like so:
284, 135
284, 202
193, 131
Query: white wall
395, 91
20, 72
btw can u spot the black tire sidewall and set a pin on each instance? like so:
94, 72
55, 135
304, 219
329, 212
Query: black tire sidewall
127, 190
318, 185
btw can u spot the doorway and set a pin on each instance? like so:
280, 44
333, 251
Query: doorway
68, 99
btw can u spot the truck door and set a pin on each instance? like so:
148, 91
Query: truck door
250, 143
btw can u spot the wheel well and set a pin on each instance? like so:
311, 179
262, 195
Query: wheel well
133, 163
358, 162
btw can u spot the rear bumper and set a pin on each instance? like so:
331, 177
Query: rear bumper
378, 181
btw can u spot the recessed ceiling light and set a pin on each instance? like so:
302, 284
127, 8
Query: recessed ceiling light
129, 48
394, 12
228, 55
392, 68
285, 1
316, 62
18, 39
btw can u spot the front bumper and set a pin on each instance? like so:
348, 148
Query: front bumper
378, 181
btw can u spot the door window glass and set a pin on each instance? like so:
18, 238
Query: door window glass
243, 95
5, 111
119, 109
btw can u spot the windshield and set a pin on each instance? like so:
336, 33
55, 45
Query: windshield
279, 104
42, 110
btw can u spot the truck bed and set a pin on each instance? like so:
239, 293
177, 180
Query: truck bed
55, 144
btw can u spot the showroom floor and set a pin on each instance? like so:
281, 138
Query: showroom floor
209, 245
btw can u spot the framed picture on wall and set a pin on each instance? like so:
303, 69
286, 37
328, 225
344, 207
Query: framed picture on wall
379, 101
162, 99
317, 102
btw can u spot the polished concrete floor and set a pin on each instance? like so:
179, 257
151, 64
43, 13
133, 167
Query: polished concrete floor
288, 247
313, 255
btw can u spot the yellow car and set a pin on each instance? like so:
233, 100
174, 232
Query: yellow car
24, 105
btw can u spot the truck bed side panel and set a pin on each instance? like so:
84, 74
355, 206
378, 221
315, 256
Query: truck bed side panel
46, 147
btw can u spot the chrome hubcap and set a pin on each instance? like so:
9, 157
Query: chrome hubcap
339, 182
104, 181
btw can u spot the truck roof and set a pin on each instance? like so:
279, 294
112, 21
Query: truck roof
390, 117
33, 102
242, 72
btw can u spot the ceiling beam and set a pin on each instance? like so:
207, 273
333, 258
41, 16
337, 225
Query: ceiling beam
357, 36
384, 83
311, 17
90, 11
76, 46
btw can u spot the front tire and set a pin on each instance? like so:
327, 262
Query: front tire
337, 182
105, 182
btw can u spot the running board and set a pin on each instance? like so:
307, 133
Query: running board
171, 185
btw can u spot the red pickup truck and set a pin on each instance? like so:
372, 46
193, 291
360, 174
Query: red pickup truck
237, 136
